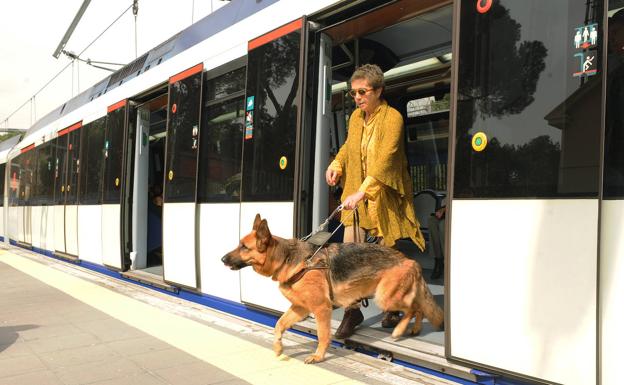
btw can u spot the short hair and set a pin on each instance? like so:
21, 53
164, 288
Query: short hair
372, 73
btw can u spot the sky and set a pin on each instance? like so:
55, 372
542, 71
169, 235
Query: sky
30, 31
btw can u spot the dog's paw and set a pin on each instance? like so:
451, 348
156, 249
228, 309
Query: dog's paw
313, 359
278, 348
396, 335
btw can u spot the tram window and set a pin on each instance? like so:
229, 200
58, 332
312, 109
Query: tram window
26, 177
220, 158
614, 127
524, 84
60, 170
2, 170
91, 161
221, 138
225, 85
73, 167
113, 154
269, 147
45, 173
180, 180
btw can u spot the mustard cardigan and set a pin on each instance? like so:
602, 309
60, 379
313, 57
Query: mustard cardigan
395, 207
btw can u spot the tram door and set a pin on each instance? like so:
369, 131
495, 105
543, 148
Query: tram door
71, 188
113, 254
27, 162
180, 256
272, 109
60, 185
526, 126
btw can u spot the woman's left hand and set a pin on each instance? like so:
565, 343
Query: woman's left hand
352, 200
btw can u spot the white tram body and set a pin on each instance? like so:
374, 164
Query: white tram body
240, 113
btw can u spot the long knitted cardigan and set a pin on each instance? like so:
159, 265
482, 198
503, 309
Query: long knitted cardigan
388, 164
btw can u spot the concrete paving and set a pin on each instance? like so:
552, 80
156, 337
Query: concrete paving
62, 324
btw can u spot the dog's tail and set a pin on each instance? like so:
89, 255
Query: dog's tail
429, 307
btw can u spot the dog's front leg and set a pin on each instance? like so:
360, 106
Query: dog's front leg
323, 324
288, 319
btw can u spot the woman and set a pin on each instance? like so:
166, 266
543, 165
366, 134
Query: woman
373, 168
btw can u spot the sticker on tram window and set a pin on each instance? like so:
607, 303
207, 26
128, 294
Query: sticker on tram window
585, 36
250, 103
484, 5
479, 141
587, 63
248, 124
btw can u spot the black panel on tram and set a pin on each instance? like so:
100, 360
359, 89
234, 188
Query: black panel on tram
271, 109
528, 100
113, 155
223, 117
91, 162
183, 139
614, 126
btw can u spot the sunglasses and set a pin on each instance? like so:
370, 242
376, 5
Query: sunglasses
360, 91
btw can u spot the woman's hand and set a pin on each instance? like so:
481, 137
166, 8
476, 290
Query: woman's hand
332, 177
352, 200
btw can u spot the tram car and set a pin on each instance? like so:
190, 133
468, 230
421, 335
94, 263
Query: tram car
512, 120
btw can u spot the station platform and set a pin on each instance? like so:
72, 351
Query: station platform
62, 324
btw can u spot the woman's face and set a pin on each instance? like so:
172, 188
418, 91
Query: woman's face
366, 98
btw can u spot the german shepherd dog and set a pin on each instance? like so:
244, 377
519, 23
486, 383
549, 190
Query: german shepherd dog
341, 274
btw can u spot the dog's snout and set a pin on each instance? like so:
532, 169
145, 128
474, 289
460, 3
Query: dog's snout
224, 258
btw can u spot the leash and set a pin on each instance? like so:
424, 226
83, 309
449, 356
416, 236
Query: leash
323, 263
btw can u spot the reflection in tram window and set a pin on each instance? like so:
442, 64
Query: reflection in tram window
181, 149
45, 174
220, 159
91, 162
614, 128
60, 170
73, 167
519, 84
113, 154
273, 77
221, 138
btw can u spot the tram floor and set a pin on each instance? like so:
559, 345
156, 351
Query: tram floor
63, 324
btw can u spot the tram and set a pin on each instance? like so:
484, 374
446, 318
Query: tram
511, 112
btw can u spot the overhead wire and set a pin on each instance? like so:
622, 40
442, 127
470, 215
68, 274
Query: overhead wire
6, 120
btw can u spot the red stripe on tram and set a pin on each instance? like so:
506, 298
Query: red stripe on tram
275, 34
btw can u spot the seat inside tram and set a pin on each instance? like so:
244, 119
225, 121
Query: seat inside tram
415, 55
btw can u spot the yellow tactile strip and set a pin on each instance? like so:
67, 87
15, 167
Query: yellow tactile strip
243, 359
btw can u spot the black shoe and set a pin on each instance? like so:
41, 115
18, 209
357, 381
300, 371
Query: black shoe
438, 269
391, 319
352, 318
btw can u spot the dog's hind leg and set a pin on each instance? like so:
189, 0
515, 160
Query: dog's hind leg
323, 324
289, 318
418, 316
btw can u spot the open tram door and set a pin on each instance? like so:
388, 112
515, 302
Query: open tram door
524, 207
118, 155
272, 145
179, 212
66, 169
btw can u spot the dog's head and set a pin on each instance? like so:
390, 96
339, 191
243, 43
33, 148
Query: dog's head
252, 249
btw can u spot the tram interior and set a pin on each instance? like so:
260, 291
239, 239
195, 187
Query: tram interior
414, 53
156, 156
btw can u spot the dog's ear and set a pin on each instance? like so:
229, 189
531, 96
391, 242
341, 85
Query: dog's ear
263, 236
256, 222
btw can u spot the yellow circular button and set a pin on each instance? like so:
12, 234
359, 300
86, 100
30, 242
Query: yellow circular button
479, 141
283, 162
170, 174
116, 182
